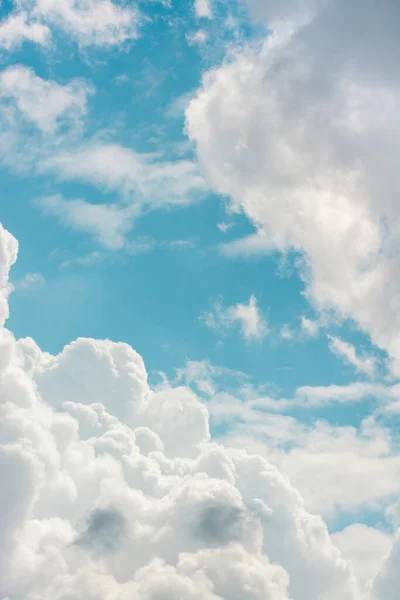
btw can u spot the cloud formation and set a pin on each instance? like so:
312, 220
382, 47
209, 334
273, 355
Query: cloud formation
46, 104
114, 490
301, 132
96, 23
247, 317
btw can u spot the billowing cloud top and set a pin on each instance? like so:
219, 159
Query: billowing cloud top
113, 490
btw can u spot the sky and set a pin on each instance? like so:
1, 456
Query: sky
199, 301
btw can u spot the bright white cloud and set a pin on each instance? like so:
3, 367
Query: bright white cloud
114, 490
45, 103
296, 149
100, 23
347, 352
247, 317
107, 223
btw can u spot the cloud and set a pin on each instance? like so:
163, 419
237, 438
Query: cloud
364, 547
309, 327
197, 38
17, 28
44, 103
142, 179
387, 582
113, 489
296, 150
203, 9
254, 245
248, 317
347, 352
96, 23
107, 223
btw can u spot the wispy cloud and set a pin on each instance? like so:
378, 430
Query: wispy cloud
107, 223
29, 281
344, 350
141, 179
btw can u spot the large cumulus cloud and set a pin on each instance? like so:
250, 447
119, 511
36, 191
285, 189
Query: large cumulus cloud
112, 490
302, 132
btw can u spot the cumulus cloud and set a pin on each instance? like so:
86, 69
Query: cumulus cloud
99, 23
112, 489
46, 104
301, 133
247, 317
365, 548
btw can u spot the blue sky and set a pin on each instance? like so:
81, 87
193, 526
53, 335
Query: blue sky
199, 180
154, 300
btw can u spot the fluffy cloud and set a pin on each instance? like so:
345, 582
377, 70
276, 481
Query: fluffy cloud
247, 317
114, 490
17, 28
44, 103
301, 132
100, 23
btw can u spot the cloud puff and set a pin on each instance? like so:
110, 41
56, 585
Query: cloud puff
46, 104
247, 317
114, 490
17, 28
301, 132
98, 23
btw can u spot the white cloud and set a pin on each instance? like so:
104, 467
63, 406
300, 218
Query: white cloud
100, 23
364, 547
143, 180
386, 585
347, 352
296, 149
247, 316
203, 8
112, 489
45, 103
17, 28
107, 223
309, 327
253, 245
